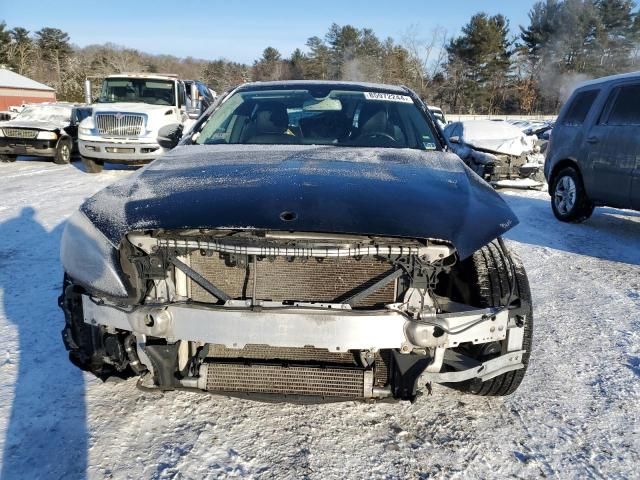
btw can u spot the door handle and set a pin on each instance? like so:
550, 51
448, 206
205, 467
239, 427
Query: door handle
593, 139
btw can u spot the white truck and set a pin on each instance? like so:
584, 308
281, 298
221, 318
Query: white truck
128, 113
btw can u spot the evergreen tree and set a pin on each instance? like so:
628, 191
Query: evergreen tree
20, 49
317, 65
55, 49
5, 40
484, 50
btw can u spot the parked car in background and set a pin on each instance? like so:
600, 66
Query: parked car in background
438, 114
43, 130
305, 239
594, 155
497, 151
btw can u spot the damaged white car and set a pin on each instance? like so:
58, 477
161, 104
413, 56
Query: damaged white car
306, 240
498, 151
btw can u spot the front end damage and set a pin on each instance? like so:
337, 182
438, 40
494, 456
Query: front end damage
264, 313
504, 170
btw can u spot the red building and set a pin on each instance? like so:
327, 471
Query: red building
16, 89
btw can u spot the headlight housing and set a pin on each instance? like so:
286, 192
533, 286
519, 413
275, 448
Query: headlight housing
47, 136
87, 126
90, 259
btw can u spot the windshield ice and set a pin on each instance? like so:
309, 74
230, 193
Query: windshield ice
320, 117
138, 90
45, 113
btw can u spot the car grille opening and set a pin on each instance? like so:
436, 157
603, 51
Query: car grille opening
275, 379
311, 371
282, 279
119, 124
20, 133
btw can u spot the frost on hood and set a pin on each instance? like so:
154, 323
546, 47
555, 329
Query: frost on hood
378, 191
58, 114
497, 136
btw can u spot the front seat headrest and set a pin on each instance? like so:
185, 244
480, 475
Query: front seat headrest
271, 117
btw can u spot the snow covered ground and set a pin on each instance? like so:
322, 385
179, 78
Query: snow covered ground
575, 416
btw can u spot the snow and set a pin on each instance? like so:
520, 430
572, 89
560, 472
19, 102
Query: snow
52, 113
497, 136
518, 183
9, 79
576, 414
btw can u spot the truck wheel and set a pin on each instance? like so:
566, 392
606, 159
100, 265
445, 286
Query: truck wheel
8, 158
569, 200
485, 280
92, 166
63, 151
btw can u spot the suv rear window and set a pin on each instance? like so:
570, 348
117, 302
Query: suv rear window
626, 107
580, 107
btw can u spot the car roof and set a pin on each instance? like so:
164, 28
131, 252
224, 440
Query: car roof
358, 86
150, 76
610, 78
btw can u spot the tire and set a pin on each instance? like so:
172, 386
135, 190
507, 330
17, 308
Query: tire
569, 200
63, 151
487, 278
8, 158
92, 166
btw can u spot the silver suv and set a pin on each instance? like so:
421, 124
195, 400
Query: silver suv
594, 155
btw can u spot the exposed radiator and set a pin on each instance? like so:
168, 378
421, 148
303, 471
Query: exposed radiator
316, 357
298, 280
119, 124
265, 352
275, 379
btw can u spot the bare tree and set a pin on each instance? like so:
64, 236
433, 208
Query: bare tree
427, 54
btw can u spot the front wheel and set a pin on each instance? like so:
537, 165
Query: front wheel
92, 166
569, 200
8, 158
63, 151
492, 277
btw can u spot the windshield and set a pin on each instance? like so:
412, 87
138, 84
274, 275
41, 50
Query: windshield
138, 90
45, 113
320, 117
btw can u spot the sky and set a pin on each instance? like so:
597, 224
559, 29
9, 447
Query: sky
239, 31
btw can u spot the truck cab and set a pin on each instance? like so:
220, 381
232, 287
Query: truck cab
127, 114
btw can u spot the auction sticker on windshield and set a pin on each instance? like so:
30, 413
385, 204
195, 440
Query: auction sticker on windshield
387, 97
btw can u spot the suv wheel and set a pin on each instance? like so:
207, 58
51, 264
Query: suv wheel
569, 200
63, 151
8, 158
92, 166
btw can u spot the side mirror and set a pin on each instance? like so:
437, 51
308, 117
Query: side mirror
454, 139
169, 136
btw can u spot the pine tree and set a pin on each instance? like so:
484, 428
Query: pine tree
484, 50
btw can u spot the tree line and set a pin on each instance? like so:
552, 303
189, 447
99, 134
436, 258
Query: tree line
487, 68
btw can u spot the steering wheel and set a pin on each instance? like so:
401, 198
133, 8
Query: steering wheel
380, 134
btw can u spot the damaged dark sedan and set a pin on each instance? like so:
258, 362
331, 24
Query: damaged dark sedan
305, 240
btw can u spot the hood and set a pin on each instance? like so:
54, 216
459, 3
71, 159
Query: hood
496, 137
367, 191
33, 125
132, 107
